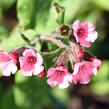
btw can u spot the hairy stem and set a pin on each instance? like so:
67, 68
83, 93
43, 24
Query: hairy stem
53, 40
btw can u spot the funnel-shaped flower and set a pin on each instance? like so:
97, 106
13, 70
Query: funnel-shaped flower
31, 63
7, 63
84, 33
83, 71
59, 76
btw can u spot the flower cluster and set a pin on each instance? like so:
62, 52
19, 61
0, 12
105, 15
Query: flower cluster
83, 65
27, 60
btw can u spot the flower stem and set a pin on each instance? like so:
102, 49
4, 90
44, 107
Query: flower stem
53, 40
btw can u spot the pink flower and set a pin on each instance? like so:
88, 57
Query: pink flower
83, 71
7, 63
84, 33
59, 76
31, 63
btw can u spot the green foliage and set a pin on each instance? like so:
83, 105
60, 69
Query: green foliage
101, 81
30, 94
26, 11
61, 95
104, 4
15, 35
5, 4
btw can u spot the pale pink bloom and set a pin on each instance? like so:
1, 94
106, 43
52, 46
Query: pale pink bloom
31, 63
84, 33
59, 76
82, 72
7, 63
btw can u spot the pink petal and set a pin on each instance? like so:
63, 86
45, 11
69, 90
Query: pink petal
4, 57
24, 65
26, 73
84, 42
97, 62
51, 72
59, 76
8, 69
39, 59
91, 27
75, 34
92, 36
7, 64
75, 79
83, 71
29, 52
38, 69
66, 82
94, 71
84, 77
52, 83
76, 25
76, 68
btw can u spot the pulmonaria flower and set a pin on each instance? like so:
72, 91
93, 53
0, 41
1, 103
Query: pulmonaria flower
31, 63
84, 33
82, 72
59, 76
7, 63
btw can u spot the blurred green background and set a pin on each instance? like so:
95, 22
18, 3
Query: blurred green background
37, 17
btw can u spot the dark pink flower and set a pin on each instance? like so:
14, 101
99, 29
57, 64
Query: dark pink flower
31, 63
7, 63
84, 33
59, 76
82, 72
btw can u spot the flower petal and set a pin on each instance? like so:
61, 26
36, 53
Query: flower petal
92, 36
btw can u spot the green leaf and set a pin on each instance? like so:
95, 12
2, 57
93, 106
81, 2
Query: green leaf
25, 13
25, 39
5, 4
30, 14
72, 7
19, 78
60, 13
101, 87
100, 83
61, 95
104, 4
60, 17
103, 73
8, 99
3, 33
42, 15
15, 39
18, 93
32, 93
